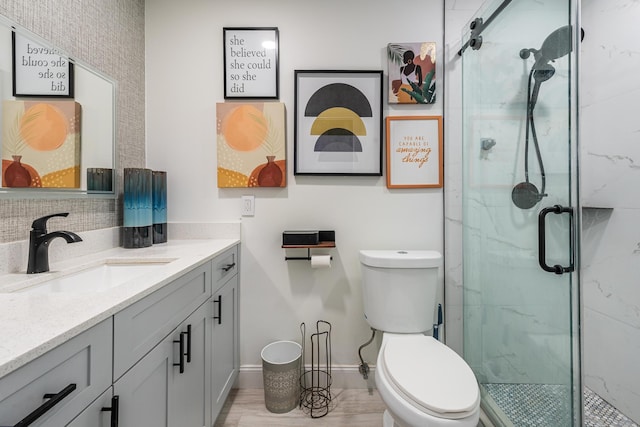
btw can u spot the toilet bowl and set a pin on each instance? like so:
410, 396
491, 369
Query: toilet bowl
423, 383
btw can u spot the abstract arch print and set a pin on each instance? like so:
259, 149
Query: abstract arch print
338, 108
338, 122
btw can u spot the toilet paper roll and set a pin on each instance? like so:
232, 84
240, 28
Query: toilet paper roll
320, 261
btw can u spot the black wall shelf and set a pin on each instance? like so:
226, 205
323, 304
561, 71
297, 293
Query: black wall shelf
327, 240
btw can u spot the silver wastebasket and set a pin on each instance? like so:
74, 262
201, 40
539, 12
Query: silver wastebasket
281, 375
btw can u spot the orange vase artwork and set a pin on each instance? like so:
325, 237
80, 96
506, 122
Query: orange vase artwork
251, 144
41, 144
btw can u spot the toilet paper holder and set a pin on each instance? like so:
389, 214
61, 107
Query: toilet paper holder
304, 258
326, 239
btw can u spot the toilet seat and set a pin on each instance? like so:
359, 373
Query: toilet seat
430, 376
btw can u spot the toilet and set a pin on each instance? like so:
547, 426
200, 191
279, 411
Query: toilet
422, 382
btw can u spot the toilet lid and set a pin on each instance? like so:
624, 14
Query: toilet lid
431, 375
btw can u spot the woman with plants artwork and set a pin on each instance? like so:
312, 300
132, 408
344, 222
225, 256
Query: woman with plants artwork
411, 76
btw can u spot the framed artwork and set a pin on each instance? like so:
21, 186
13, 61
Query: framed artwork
251, 144
412, 73
338, 122
40, 70
414, 152
41, 143
251, 63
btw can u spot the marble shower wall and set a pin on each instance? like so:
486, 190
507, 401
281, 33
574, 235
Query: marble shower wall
610, 178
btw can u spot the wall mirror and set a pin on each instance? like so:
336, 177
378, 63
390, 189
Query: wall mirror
57, 121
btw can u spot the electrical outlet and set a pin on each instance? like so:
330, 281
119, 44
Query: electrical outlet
248, 205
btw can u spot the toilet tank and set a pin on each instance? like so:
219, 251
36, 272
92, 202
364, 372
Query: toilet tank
399, 289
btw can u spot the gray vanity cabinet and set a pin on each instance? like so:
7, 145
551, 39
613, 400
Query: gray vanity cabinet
152, 390
224, 343
169, 359
168, 389
157, 383
61, 383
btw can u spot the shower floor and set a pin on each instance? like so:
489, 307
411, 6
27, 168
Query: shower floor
535, 405
598, 413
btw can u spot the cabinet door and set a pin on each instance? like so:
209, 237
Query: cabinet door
224, 350
190, 398
144, 389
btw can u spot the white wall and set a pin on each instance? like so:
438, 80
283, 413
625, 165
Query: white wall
610, 175
184, 65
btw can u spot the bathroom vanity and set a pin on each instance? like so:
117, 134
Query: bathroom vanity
159, 349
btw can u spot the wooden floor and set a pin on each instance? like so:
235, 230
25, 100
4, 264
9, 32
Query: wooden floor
349, 407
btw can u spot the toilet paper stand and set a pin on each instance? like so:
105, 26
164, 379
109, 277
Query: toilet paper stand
327, 239
315, 380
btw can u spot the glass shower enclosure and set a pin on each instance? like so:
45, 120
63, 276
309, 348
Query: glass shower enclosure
521, 211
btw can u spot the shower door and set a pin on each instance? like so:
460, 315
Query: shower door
520, 211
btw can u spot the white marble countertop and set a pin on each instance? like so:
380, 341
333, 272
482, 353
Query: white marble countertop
33, 323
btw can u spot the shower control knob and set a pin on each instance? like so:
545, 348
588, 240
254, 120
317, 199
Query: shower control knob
487, 143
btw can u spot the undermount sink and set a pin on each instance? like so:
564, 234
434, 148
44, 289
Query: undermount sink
103, 276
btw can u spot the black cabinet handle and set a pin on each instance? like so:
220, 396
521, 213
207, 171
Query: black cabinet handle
219, 316
557, 269
53, 400
115, 411
181, 342
229, 266
188, 333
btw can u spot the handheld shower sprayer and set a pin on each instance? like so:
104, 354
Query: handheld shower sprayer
525, 195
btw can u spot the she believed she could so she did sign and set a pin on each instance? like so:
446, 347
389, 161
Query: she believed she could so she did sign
40, 70
251, 63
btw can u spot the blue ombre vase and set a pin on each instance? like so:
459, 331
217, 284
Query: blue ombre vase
159, 207
137, 208
99, 180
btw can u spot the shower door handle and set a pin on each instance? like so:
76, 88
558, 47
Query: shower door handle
557, 269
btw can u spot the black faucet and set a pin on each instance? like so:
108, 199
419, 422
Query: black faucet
39, 243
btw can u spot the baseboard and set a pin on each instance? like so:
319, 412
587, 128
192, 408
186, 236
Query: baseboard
344, 376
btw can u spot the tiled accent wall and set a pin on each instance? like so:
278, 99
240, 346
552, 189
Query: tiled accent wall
108, 35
